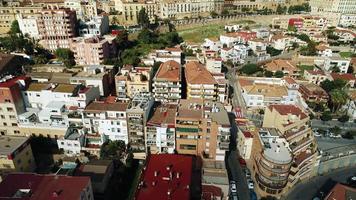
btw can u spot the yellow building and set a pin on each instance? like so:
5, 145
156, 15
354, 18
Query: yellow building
15, 155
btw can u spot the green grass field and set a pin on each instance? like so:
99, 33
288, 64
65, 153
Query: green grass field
346, 54
306, 67
198, 34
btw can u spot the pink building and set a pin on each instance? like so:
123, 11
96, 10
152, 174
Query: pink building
93, 51
56, 26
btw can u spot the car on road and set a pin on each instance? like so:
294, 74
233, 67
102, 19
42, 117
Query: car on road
317, 134
250, 184
248, 173
233, 187
242, 162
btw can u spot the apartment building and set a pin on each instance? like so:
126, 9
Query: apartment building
44, 187
11, 104
313, 93
57, 27
200, 83
28, 24
138, 80
336, 62
84, 9
137, 115
72, 142
39, 95
202, 128
167, 82
160, 129
93, 50
244, 143
101, 76
272, 163
188, 8
335, 6
131, 8
294, 150
107, 119
347, 20
8, 14
15, 155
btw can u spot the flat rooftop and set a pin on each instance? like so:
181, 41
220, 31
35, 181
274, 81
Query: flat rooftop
9, 144
274, 148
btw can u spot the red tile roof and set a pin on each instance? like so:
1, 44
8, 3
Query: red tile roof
288, 109
169, 71
11, 82
289, 80
316, 72
163, 114
347, 77
100, 106
210, 192
166, 176
341, 192
196, 73
44, 187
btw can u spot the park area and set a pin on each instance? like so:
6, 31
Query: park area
211, 31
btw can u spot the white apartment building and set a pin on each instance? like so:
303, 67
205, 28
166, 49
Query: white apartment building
164, 55
347, 20
336, 61
39, 95
72, 142
315, 76
213, 65
95, 26
210, 44
107, 119
261, 92
28, 25
336, 6
84, 9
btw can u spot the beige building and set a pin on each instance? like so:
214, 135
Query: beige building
138, 80
335, 6
57, 27
200, 83
15, 155
315, 76
167, 82
202, 128
293, 155
130, 9
8, 15
92, 51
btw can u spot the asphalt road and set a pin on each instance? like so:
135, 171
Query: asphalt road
330, 124
233, 166
308, 190
325, 143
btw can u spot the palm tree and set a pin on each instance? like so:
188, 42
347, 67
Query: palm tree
338, 98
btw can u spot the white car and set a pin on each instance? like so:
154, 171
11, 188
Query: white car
250, 184
317, 134
233, 186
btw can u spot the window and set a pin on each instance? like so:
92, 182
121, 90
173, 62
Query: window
2, 116
5, 124
10, 109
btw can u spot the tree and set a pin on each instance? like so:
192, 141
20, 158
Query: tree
66, 56
147, 36
272, 51
268, 73
122, 40
279, 74
142, 19
343, 118
304, 37
250, 69
15, 28
326, 116
214, 14
292, 29
155, 67
338, 98
224, 12
113, 150
281, 9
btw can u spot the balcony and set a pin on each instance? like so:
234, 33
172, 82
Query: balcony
187, 130
289, 135
297, 146
276, 186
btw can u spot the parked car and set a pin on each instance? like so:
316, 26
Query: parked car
233, 187
242, 162
248, 173
317, 134
250, 184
